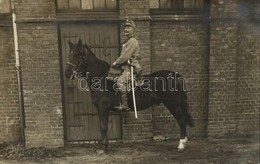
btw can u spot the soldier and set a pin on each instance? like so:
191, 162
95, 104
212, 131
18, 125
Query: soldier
130, 53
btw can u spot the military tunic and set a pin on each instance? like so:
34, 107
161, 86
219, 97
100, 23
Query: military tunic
130, 50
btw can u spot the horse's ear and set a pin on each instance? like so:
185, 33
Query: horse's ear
70, 44
88, 47
80, 43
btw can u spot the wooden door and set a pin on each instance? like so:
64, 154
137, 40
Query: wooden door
82, 122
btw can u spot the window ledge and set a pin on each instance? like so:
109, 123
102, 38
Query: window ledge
78, 16
179, 15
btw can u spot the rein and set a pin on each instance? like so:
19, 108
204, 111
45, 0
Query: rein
82, 58
75, 70
71, 64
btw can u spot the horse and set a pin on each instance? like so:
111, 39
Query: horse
162, 86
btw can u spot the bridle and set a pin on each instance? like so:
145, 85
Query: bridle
74, 70
76, 73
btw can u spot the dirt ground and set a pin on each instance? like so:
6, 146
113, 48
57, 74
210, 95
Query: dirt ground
231, 150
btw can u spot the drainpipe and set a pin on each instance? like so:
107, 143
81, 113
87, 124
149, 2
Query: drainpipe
18, 70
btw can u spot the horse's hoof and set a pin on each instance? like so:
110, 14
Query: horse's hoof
181, 147
100, 151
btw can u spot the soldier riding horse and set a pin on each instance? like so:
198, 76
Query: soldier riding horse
159, 87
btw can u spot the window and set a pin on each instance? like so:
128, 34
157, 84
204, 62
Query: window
87, 5
176, 4
181, 9
5, 6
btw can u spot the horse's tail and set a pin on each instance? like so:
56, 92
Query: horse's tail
185, 108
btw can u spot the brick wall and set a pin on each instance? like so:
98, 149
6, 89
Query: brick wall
41, 84
222, 68
248, 72
219, 61
223, 8
134, 8
31, 10
223, 79
138, 129
233, 84
9, 109
182, 47
38, 42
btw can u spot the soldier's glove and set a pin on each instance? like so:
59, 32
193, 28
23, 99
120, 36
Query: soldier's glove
116, 66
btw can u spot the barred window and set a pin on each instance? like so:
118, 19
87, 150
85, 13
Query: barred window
87, 5
176, 4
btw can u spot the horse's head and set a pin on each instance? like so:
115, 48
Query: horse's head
76, 60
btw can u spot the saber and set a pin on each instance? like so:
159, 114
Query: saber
133, 89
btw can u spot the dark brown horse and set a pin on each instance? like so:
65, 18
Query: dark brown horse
164, 86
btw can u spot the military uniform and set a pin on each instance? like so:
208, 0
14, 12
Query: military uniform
130, 51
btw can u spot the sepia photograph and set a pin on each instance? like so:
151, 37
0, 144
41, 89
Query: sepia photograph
129, 81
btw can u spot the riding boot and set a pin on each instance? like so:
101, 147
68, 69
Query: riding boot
124, 104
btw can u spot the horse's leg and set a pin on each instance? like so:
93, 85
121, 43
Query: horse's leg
179, 115
184, 120
103, 119
183, 139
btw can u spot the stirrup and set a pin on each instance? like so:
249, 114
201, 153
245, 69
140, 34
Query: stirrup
122, 108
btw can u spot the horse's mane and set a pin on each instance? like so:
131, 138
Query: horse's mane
104, 65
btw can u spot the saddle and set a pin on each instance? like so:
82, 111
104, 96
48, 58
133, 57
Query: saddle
114, 72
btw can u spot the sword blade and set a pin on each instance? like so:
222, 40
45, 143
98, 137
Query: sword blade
133, 90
